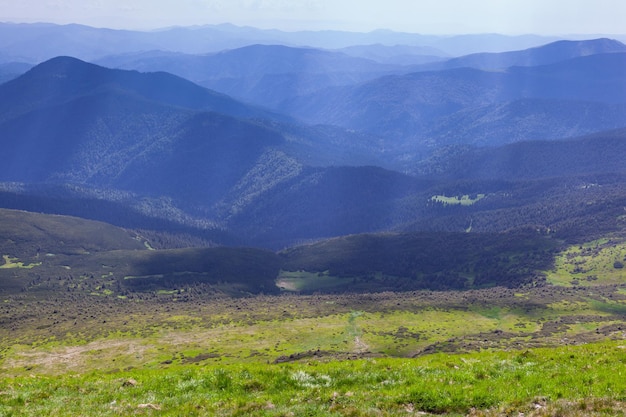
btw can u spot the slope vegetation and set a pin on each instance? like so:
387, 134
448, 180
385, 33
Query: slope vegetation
90, 257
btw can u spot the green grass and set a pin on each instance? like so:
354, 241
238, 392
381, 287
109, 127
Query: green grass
442, 384
41, 335
590, 264
10, 263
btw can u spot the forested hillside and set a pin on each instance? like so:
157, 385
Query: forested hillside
377, 147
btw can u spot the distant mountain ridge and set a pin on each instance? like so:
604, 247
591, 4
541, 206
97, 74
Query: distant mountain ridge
526, 119
261, 74
12, 70
270, 74
540, 55
36, 43
413, 108
396, 54
595, 153
247, 61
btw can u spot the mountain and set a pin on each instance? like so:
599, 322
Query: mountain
68, 121
35, 43
87, 257
269, 74
11, 70
459, 45
103, 126
396, 54
410, 108
262, 74
154, 151
253, 60
540, 55
151, 137
61, 79
598, 153
523, 120
410, 261
325, 202
35, 234
93, 256
154, 102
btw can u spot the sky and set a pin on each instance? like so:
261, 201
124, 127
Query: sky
546, 17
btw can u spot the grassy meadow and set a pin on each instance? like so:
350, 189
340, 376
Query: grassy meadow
494, 352
573, 380
600, 262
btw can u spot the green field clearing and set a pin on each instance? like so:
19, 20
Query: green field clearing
464, 200
600, 262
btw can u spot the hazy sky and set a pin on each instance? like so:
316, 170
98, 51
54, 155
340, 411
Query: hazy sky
419, 16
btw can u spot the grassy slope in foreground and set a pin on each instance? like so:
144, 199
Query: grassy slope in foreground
184, 354
573, 380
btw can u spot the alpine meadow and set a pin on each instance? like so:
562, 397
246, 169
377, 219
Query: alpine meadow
221, 220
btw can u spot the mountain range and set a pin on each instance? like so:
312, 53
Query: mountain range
574, 95
262, 74
38, 42
423, 107
271, 74
540, 55
376, 147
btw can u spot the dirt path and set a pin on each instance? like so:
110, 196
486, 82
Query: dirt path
360, 346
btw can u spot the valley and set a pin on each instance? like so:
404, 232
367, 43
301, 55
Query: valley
322, 224
221, 327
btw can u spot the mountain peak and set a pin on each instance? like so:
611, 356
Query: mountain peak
582, 47
62, 78
64, 66
549, 53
